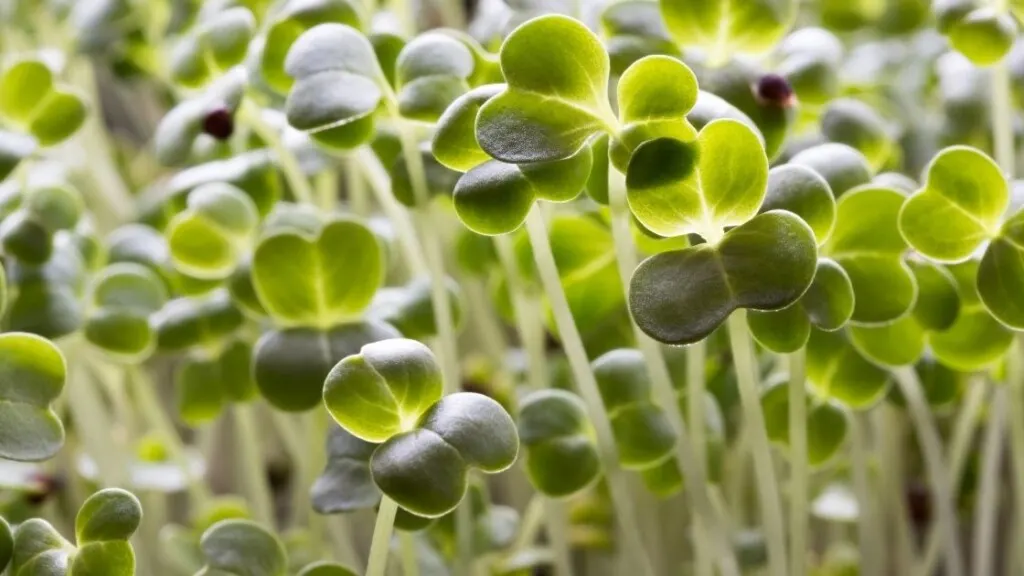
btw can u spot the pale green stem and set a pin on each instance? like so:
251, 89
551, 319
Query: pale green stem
342, 545
531, 329
664, 392
315, 461
410, 563
355, 187
696, 357
381, 544
745, 364
380, 184
531, 521
1002, 120
491, 338
154, 507
890, 426
572, 343
154, 414
798, 464
249, 114
327, 190
92, 421
867, 527
964, 429
254, 478
1015, 384
557, 523
987, 509
931, 447
292, 439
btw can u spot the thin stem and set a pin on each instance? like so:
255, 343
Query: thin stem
530, 524
531, 330
1015, 384
691, 465
355, 187
889, 425
931, 446
988, 501
253, 475
768, 488
315, 460
1002, 120
292, 439
327, 190
964, 427
410, 564
572, 343
381, 543
342, 544
798, 465
557, 524
249, 114
867, 529
380, 185
696, 357
93, 420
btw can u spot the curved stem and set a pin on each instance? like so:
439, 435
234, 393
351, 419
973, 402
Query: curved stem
249, 114
380, 185
531, 331
691, 465
530, 524
963, 436
798, 464
931, 446
633, 550
988, 500
254, 477
768, 488
381, 543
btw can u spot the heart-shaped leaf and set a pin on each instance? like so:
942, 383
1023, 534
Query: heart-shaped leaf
761, 96
1001, 273
561, 451
654, 96
805, 193
826, 424
105, 523
856, 124
178, 130
898, 343
318, 281
976, 339
984, 35
836, 371
723, 28
290, 365
207, 239
346, 483
843, 167
494, 197
810, 60
338, 85
219, 42
431, 71
680, 297
39, 549
243, 548
634, 29
32, 373
676, 188
294, 18
34, 101
938, 299
425, 469
124, 295
552, 105
867, 243
960, 205
204, 385
454, 142
186, 322
643, 435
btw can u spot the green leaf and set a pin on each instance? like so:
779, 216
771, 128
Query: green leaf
938, 300
294, 18
984, 35
410, 308
454, 142
739, 83
478, 427
836, 371
676, 188
110, 514
867, 243
634, 29
724, 28
219, 42
810, 59
32, 100
654, 96
976, 339
178, 130
432, 70
781, 331
384, 389
643, 435
552, 105
825, 425
440, 179
243, 548
39, 549
494, 198
25, 238
338, 84
805, 193
32, 374
6, 543
290, 365
856, 124
207, 239
959, 207
842, 167
318, 281
346, 484
200, 394
124, 294
187, 322
680, 297
561, 451
663, 480
56, 205
324, 568
1001, 274
899, 343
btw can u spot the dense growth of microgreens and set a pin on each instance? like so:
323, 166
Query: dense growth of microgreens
508, 287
